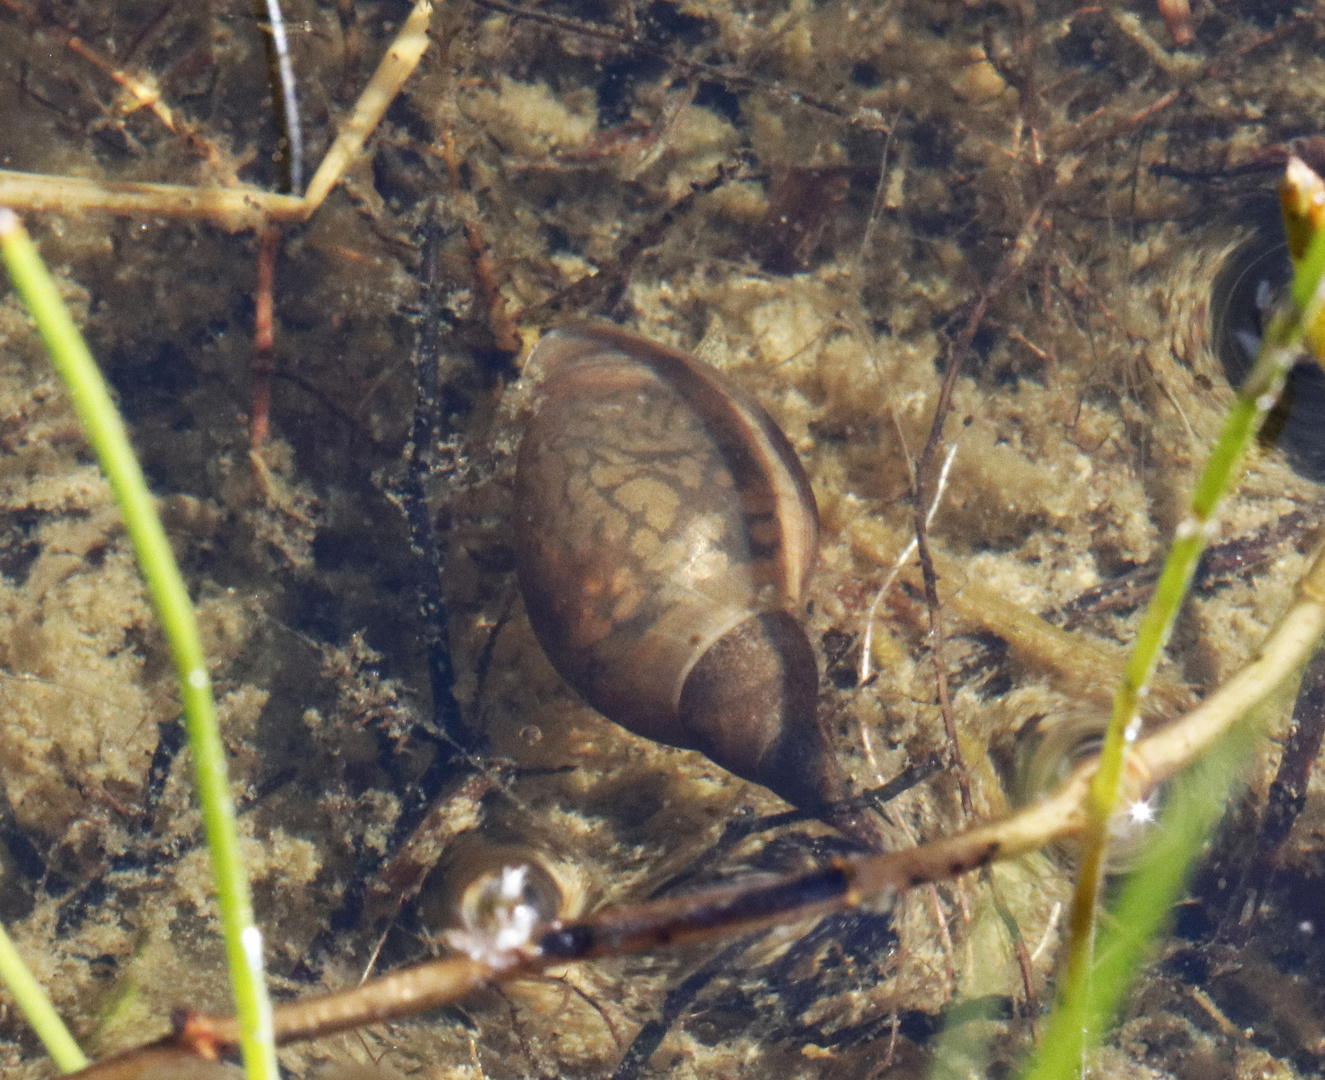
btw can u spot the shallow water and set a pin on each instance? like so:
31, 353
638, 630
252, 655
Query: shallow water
815, 198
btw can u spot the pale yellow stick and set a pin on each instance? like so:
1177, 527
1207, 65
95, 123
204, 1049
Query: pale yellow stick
1284, 652
397, 66
232, 208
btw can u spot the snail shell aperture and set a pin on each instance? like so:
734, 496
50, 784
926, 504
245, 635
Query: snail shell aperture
665, 531
1049, 747
491, 896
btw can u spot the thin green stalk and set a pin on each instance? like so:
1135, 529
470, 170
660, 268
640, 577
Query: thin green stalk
1221, 471
105, 432
1280, 347
37, 1008
1195, 804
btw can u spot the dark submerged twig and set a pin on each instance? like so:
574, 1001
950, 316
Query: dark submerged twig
1288, 791
399, 880
915, 773
743, 826
678, 999
598, 293
426, 433
1220, 563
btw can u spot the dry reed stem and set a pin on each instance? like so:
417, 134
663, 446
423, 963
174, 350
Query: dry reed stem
239, 207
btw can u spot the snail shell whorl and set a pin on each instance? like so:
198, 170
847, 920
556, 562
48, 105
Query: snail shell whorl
1049, 747
664, 532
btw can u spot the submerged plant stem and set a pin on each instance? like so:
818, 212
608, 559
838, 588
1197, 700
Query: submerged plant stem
105, 432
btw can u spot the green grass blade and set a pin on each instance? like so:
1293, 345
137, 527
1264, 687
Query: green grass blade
37, 1008
105, 432
1193, 808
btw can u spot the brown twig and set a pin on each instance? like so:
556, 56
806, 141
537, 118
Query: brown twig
1083, 135
264, 340
504, 335
941, 668
735, 910
1297, 21
1010, 266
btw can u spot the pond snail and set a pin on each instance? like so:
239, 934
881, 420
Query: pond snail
491, 895
1250, 282
1049, 747
665, 531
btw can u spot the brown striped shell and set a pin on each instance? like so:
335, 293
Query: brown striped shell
665, 531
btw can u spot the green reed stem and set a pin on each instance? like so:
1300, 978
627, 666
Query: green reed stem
1077, 1015
37, 1008
105, 432
1193, 808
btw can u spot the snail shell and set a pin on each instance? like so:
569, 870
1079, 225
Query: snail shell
1049, 748
665, 531
489, 895
1250, 282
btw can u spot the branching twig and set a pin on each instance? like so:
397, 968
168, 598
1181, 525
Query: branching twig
239, 207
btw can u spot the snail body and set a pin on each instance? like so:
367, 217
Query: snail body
665, 531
